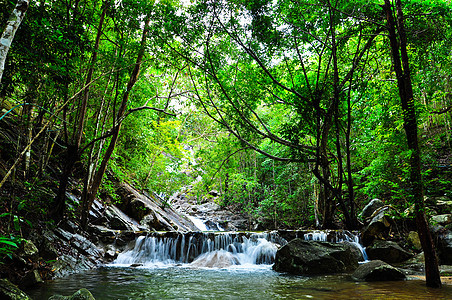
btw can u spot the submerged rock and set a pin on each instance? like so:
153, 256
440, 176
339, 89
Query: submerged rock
377, 270
387, 251
82, 294
313, 258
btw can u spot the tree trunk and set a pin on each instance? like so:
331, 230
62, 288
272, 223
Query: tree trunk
88, 199
73, 150
12, 25
410, 125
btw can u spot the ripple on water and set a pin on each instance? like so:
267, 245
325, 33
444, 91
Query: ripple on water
238, 282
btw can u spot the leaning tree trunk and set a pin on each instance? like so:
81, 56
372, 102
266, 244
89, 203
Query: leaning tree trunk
12, 25
410, 125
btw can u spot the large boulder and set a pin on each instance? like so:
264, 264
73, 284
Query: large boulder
387, 251
313, 258
378, 227
157, 211
371, 207
377, 270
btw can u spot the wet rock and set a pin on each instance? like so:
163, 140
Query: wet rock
9, 291
387, 251
313, 258
82, 294
371, 207
209, 210
216, 259
377, 270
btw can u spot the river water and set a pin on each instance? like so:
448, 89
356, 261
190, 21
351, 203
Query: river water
220, 266
240, 282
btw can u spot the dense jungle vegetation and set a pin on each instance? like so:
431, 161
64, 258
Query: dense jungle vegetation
292, 110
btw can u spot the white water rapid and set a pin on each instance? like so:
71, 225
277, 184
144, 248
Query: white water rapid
339, 237
220, 249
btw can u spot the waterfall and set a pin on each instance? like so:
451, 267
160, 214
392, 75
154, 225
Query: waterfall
337, 236
203, 225
217, 249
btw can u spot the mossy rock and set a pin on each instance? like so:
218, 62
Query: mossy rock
82, 294
9, 291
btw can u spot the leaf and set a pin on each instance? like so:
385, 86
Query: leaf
9, 243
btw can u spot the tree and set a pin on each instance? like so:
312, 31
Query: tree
398, 42
9, 32
257, 56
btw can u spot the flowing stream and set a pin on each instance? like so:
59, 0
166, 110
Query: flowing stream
221, 265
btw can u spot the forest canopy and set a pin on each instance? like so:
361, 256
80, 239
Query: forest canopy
289, 110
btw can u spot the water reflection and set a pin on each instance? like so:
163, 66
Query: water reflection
231, 283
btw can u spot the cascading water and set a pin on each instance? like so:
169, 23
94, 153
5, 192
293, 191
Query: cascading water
337, 237
203, 249
218, 249
204, 225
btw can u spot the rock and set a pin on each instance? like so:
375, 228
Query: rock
151, 221
9, 291
444, 247
387, 251
82, 294
371, 207
313, 258
443, 204
119, 220
79, 253
377, 270
214, 193
378, 227
442, 219
30, 279
138, 205
413, 240
216, 259
29, 250
47, 246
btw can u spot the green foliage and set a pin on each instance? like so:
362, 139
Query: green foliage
264, 70
8, 245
